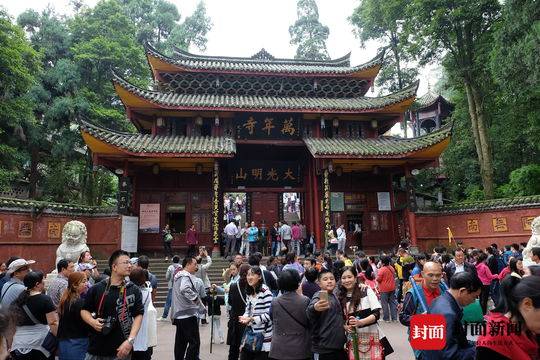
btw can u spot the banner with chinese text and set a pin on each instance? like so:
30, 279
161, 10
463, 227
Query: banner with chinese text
149, 218
268, 126
264, 173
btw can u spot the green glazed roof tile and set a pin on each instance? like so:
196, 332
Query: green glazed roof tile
379, 147
232, 102
264, 62
149, 144
12, 204
495, 204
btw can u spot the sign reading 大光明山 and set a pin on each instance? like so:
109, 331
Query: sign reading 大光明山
149, 218
265, 127
264, 173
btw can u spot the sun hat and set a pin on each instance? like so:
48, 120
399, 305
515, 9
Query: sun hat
17, 264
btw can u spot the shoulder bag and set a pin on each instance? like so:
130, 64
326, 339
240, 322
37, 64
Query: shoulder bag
50, 342
292, 317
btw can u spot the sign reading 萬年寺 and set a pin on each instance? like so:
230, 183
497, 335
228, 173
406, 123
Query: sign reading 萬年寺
265, 127
149, 218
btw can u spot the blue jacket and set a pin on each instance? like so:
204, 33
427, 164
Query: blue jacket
457, 347
253, 233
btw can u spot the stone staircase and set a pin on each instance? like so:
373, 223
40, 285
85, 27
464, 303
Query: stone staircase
158, 267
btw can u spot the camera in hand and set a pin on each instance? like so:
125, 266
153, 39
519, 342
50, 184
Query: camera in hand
108, 325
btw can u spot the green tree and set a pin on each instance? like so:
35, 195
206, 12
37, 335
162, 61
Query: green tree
461, 30
308, 34
158, 22
20, 64
383, 21
515, 70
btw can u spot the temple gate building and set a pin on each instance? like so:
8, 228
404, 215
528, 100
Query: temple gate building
264, 139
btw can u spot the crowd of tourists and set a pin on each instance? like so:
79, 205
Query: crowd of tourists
278, 239
317, 307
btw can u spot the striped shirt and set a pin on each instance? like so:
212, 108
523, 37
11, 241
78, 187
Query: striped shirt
258, 308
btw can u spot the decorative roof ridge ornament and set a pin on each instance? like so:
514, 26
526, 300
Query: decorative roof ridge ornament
180, 55
263, 55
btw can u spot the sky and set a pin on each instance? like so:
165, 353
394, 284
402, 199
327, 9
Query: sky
243, 27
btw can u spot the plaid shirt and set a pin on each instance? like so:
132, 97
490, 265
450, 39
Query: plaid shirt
56, 288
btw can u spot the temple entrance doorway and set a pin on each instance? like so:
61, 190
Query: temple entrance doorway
234, 207
265, 208
292, 208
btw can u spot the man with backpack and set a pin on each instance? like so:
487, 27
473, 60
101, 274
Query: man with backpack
419, 298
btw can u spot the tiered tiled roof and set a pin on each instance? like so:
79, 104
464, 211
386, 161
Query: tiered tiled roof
428, 99
375, 148
9, 204
173, 100
263, 62
145, 144
479, 206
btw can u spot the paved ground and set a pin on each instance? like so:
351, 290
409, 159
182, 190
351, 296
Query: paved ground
395, 332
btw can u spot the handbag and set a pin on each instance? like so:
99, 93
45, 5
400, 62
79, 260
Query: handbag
369, 347
50, 342
252, 341
168, 237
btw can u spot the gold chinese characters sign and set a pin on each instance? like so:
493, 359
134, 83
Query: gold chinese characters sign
526, 222
500, 224
25, 229
215, 203
54, 230
266, 127
326, 203
473, 226
264, 173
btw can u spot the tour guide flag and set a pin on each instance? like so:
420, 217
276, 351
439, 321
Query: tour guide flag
450, 236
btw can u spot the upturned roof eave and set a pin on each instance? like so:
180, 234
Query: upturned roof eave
370, 68
100, 135
147, 96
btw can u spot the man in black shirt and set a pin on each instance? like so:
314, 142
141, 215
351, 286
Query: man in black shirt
114, 310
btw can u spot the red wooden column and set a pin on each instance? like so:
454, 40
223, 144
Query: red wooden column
316, 206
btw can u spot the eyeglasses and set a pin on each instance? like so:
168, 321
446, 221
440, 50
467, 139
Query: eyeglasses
127, 262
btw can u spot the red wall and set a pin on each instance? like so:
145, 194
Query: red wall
431, 228
103, 237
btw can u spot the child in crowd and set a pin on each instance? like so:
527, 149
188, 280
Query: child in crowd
326, 320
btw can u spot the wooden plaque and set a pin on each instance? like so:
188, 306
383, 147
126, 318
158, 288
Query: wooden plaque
25, 229
473, 226
54, 230
500, 224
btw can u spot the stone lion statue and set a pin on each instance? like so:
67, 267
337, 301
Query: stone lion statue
534, 241
73, 241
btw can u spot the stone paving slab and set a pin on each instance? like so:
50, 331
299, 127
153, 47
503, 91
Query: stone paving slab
396, 333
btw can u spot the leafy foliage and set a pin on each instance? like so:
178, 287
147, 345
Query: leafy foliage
308, 33
158, 22
383, 21
62, 73
20, 64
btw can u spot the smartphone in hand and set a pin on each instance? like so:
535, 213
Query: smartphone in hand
323, 295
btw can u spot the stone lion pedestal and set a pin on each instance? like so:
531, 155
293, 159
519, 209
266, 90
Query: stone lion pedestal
534, 241
73, 245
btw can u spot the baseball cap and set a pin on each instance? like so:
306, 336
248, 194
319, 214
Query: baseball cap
134, 260
17, 264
